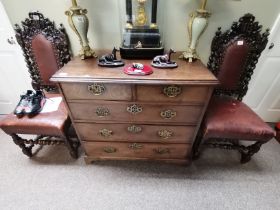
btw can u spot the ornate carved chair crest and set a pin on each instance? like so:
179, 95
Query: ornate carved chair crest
247, 34
234, 55
39, 34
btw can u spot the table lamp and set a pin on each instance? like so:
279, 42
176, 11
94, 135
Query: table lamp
78, 21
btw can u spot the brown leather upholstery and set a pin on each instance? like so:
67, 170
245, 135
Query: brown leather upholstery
233, 63
232, 119
43, 51
52, 124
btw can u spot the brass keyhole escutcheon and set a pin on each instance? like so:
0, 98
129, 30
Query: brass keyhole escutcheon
134, 129
168, 114
172, 91
165, 134
162, 151
96, 89
110, 149
106, 133
102, 112
135, 146
134, 109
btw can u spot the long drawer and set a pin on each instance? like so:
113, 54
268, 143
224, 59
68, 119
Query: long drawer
137, 150
172, 93
97, 91
135, 132
130, 112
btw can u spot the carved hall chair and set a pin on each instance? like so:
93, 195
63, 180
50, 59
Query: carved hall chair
228, 122
45, 49
277, 128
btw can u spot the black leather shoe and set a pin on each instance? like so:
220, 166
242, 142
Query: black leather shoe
23, 103
36, 103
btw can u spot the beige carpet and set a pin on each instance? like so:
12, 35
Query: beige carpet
52, 180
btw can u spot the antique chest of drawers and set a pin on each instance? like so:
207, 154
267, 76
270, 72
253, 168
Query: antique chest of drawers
123, 117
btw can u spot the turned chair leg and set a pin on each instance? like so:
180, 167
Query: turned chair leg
246, 151
249, 151
72, 146
20, 142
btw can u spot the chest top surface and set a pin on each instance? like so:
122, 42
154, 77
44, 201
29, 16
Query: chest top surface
78, 70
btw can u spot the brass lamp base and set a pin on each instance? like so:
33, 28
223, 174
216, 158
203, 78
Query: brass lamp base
87, 52
190, 55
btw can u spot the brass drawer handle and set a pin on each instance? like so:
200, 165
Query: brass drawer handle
165, 134
172, 91
105, 132
162, 151
135, 146
134, 129
96, 89
134, 109
110, 149
102, 112
168, 114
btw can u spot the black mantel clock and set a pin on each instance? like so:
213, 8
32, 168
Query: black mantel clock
141, 37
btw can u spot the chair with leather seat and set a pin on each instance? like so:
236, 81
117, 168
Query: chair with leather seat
45, 49
277, 128
228, 121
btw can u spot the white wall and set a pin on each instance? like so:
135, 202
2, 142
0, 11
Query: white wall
105, 24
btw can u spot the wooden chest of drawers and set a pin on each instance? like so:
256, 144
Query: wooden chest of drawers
124, 117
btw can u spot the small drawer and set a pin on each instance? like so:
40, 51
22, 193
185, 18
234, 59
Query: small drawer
135, 132
96, 91
130, 112
137, 150
172, 93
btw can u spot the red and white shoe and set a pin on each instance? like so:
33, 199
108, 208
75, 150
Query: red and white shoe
23, 103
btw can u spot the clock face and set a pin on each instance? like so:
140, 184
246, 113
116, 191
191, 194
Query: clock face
141, 16
141, 19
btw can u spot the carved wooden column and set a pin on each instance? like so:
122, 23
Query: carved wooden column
129, 14
154, 15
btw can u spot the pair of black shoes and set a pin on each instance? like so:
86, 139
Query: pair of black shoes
31, 103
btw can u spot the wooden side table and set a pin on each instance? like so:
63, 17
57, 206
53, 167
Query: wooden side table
124, 117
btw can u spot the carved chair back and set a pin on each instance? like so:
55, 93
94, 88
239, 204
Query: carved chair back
234, 55
45, 48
